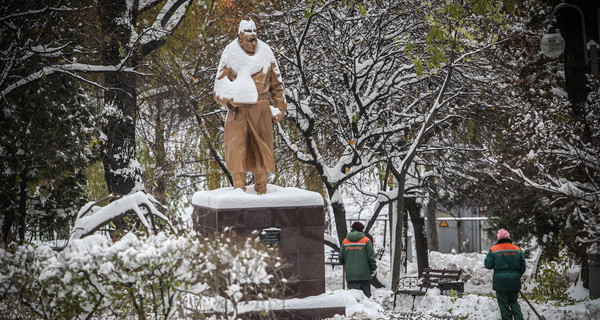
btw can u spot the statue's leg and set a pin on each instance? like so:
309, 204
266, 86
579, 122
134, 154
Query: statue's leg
239, 180
260, 180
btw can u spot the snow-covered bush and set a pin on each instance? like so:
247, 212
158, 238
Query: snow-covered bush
136, 277
92, 217
553, 278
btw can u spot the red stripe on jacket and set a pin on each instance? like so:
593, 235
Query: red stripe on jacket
361, 243
505, 247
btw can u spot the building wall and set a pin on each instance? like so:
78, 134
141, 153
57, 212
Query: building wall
462, 235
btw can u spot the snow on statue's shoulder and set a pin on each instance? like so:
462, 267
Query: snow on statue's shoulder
276, 196
242, 89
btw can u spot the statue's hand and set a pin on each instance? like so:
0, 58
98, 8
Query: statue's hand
277, 117
227, 72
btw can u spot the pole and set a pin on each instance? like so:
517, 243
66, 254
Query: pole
344, 277
384, 232
532, 308
572, 6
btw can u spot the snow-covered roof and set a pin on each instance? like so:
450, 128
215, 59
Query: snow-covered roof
276, 196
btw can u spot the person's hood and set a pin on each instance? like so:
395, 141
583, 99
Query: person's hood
355, 235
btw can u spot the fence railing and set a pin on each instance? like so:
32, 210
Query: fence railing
418, 316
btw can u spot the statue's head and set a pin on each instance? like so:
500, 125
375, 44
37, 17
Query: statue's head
247, 36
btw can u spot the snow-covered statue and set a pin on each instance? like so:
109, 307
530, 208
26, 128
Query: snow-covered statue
248, 75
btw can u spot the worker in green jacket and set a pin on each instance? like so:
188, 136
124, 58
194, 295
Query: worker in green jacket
358, 256
509, 265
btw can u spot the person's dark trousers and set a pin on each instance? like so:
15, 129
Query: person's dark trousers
508, 304
364, 285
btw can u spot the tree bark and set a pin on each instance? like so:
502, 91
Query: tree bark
418, 222
434, 244
22, 213
405, 239
123, 175
160, 174
8, 209
398, 237
339, 212
380, 205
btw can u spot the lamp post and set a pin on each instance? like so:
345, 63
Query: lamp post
553, 44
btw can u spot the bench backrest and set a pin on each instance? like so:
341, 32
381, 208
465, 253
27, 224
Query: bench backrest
431, 277
332, 256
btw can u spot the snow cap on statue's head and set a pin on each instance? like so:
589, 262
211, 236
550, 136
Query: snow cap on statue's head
247, 26
358, 226
503, 234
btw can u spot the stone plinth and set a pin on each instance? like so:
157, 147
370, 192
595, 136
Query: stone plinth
316, 313
297, 213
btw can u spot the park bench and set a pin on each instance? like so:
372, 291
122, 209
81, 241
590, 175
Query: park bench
332, 258
444, 279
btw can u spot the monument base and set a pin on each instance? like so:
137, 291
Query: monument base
291, 219
317, 313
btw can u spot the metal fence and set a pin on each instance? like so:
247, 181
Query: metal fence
418, 316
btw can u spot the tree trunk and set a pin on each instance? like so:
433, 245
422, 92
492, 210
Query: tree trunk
398, 235
339, 212
160, 174
7, 202
585, 266
121, 170
434, 244
405, 240
380, 205
418, 222
22, 213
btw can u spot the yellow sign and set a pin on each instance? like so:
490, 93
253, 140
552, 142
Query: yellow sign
443, 223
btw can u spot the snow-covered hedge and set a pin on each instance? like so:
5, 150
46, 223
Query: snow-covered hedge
157, 276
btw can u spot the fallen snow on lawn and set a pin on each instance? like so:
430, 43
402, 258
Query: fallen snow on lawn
478, 302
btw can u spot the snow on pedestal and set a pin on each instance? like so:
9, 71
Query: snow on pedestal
297, 213
229, 198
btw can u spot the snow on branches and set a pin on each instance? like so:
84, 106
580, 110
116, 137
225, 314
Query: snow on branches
91, 217
155, 276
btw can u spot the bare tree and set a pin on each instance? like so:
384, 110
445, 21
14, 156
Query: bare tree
371, 83
115, 46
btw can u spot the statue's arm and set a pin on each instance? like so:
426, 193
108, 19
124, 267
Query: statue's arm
276, 93
223, 72
227, 72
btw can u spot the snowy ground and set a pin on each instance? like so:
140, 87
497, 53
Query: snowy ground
478, 302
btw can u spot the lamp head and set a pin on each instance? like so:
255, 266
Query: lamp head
552, 44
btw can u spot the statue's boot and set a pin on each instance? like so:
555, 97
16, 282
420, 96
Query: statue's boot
260, 180
239, 180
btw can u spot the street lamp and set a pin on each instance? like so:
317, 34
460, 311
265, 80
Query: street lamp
553, 44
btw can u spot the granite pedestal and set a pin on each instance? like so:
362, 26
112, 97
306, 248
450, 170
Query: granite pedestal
297, 214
